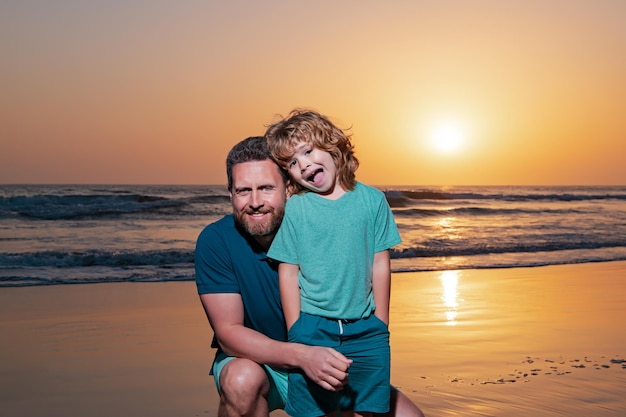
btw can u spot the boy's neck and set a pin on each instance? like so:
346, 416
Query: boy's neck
335, 193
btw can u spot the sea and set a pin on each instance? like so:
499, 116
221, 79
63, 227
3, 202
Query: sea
82, 234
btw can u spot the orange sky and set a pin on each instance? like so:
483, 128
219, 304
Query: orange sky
147, 91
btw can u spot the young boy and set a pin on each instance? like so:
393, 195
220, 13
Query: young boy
334, 274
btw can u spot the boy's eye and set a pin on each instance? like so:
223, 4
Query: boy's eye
291, 163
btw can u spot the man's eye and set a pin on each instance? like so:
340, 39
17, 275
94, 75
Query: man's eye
242, 193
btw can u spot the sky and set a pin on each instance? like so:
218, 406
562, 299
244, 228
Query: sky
433, 92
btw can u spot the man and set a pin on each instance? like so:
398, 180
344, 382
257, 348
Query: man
238, 287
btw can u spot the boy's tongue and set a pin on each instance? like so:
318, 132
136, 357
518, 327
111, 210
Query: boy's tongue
317, 177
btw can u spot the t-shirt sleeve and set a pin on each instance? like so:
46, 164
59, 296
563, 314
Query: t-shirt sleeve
387, 234
283, 248
213, 264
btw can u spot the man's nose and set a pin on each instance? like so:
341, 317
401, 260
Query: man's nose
256, 199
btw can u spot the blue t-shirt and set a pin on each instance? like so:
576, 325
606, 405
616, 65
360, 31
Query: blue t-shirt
227, 260
333, 242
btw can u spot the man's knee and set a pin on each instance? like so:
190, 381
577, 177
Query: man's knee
401, 406
243, 381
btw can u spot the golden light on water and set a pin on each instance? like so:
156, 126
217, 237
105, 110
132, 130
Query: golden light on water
447, 227
450, 296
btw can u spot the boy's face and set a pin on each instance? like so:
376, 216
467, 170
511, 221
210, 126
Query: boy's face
314, 169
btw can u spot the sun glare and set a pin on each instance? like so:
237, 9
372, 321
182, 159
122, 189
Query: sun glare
447, 137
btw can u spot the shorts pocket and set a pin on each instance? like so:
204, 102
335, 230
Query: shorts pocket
379, 321
292, 333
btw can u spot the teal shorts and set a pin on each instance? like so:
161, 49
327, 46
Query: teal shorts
277, 397
366, 342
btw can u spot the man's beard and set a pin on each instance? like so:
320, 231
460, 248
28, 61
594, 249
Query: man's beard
255, 228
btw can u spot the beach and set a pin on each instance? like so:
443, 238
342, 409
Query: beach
546, 341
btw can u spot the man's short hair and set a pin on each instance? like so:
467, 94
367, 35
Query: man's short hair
250, 149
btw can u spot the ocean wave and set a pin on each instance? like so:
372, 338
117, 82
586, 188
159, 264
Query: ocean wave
403, 198
520, 260
94, 206
444, 249
38, 277
43, 276
479, 211
116, 233
90, 258
177, 257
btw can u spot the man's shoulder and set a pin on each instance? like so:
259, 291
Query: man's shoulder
227, 222
223, 227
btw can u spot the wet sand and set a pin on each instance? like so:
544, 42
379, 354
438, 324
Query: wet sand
546, 341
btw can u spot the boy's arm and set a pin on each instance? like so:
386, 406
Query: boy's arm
381, 284
289, 292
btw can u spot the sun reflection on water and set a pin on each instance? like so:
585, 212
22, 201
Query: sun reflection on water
450, 297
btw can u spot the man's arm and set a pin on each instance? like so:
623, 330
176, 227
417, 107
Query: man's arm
381, 284
325, 366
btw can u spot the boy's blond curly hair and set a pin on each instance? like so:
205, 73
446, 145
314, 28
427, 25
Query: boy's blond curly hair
309, 126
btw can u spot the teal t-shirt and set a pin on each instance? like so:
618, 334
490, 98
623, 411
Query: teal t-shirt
334, 242
228, 260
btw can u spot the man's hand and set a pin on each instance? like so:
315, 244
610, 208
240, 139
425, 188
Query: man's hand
325, 366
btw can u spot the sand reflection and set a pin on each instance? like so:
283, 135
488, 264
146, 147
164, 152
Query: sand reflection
450, 295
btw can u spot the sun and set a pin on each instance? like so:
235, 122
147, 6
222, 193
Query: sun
447, 137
